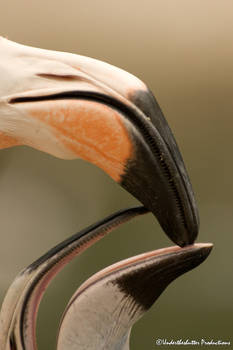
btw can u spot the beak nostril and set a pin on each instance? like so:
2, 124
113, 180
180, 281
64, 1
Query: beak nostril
61, 77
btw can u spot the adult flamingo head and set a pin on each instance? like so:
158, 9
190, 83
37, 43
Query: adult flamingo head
76, 107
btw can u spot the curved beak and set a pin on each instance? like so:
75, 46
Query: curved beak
73, 106
103, 310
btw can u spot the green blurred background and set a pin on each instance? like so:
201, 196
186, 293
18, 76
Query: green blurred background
183, 50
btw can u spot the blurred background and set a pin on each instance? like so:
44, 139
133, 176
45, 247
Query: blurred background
183, 50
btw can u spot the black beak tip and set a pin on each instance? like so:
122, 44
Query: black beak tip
180, 232
181, 242
185, 239
146, 282
156, 174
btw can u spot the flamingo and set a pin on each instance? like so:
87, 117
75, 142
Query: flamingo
72, 106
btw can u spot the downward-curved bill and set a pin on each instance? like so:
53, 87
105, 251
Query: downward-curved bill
73, 106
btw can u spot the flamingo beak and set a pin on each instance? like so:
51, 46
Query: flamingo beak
111, 301
72, 106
